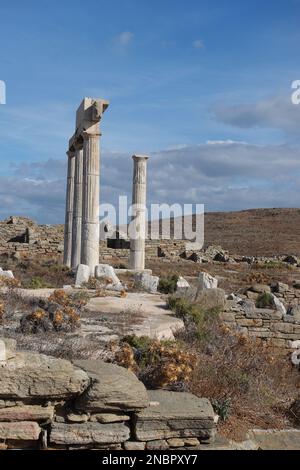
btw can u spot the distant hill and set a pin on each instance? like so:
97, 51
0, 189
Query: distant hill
255, 232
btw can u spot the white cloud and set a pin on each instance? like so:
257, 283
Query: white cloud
125, 38
198, 44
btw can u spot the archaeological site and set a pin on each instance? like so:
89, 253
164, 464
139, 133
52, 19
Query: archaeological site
149, 231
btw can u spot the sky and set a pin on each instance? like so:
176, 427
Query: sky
202, 86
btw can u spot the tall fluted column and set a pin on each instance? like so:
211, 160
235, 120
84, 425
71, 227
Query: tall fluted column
77, 209
69, 209
138, 224
90, 206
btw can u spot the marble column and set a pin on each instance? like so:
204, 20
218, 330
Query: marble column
69, 209
138, 223
77, 207
90, 204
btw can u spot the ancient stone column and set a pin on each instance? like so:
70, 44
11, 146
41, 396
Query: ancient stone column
138, 223
69, 209
77, 209
90, 203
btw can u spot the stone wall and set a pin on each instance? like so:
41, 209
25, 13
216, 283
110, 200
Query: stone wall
52, 403
21, 237
276, 326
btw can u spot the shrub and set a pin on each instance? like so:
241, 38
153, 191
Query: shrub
222, 407
264, 300
158, 364
37, 282
76, 300
197, 321
168, 285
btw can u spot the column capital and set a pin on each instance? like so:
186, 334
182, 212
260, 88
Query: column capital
140, 157
90, 135
70, 153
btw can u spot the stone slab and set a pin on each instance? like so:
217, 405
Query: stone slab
88, 433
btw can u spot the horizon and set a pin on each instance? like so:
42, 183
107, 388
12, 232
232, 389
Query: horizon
214, 114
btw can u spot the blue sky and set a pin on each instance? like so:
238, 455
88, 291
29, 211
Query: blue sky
203, 86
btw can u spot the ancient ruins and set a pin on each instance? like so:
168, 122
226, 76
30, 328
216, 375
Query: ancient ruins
81, 245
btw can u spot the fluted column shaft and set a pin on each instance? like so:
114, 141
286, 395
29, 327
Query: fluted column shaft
137, 241
77, 209
69, 209
90, 204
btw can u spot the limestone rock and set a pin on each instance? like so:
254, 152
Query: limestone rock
77, 418
112, 388
82, 275
109, 418
206, 281
175, 442
159, 444
27, 413
182, 284
7, 274
32, 375
260, 288
107, 272
179, 415
278, 305
88, 433
20, 431
134, 445
211, 298
145, 281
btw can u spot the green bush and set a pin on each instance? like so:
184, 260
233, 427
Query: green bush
168, 285
264, 300
222, 407
37, 282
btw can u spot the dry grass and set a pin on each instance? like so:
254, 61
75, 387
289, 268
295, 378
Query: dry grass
243, 379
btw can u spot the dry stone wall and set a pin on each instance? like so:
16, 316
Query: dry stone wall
52, 403
21, 237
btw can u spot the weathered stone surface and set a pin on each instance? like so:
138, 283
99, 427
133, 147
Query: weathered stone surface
107, 272
182, 284
88, 433
276, 440
134, 445
23, 431
31, 375
206, 281
77, 418
146, 282
211, 298
27, 413
175, 442
260, 288
112, 388
278, 305
109, 418
159, 444
180, 415
7, 274
82, 275
191, 442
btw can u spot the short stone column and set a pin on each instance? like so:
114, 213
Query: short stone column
69, 209
138, 223
77, 209
90, 204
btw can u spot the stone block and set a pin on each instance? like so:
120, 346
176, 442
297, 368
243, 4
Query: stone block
32, 375
206, 281
82, 275
211, 298
178, 415
113, 388
20, 431
27, 413
145, 281
88, 433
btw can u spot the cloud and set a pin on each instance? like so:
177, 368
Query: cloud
198, 44
277, 112
125, 38
222, 175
